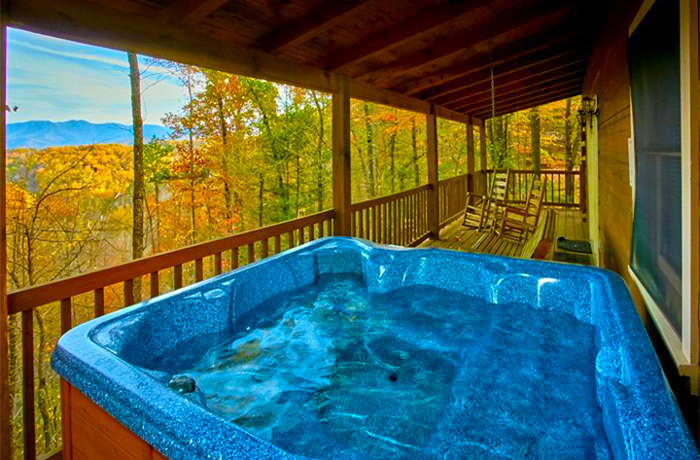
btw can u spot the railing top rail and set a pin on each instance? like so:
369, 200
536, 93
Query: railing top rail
387, 198
541, 171
35, 296
453, 179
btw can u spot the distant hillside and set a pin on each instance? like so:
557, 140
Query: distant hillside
41, 134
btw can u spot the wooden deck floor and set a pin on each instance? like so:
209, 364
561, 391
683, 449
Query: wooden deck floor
568, 223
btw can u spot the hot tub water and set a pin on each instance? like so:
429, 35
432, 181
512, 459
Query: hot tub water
420, 373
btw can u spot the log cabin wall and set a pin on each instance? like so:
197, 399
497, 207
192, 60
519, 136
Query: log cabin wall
608, 77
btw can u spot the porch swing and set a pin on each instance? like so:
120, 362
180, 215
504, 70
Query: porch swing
482, 206
509, 229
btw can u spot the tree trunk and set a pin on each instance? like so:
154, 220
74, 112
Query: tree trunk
157, 200
498, 142
297, 191
261, 189
190, 137
319, 154
139, 192
371, 152
535, 145
224, 157
569, 158
392, 159
414, 145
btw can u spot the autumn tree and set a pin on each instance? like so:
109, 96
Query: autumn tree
138, 193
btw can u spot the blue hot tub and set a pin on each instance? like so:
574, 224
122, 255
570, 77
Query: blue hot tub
342, 349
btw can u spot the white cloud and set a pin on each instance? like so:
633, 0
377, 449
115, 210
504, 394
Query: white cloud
52, 79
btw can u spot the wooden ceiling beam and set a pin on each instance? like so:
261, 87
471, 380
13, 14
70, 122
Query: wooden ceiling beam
448, 46
546, 71
502, 91
551, 40
189, 12
524, 105
537, 62
99, 25
384, 40
526, 94
302, 29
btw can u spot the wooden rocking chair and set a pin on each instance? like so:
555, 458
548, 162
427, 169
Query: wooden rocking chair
480, 209
516, 223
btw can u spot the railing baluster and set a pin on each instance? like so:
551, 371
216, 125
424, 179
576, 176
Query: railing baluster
312, 235
329, 223
385, 225
251, 253
29, 428
365, 224
290, 239
320, 230
218, 264
199, 269
300, 231
234, 258
393, 233
155, 284
265, 248
177, 276
128, 292
66, 315
99, 294
278, 244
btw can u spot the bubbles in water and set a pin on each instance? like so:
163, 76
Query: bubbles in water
334, 372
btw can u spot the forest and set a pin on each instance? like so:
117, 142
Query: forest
243, 153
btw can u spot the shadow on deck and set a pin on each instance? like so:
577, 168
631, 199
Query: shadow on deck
565, 222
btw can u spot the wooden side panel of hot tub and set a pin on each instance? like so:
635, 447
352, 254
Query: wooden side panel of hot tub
90, 433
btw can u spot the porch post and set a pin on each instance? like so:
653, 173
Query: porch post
341, 157
483, 154
5, 427
433, 192
470, 155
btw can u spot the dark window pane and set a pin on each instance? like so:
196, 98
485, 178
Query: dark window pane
654, 61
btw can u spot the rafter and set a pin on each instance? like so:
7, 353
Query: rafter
546, 78
384, 40
302, 29
552, 40
448, 46
188, 12
566, 65
526, 94
508, 92
524, 105
539, 62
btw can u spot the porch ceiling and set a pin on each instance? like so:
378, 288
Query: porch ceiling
417, 52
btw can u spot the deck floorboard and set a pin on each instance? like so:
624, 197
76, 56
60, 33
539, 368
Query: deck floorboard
568, 223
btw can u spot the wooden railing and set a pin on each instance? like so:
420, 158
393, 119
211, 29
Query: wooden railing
216, 256
452, 195
401, 218
563, 187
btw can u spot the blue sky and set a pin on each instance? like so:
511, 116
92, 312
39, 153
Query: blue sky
59, 80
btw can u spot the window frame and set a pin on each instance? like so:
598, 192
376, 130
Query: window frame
684, 346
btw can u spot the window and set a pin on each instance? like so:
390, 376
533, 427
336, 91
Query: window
654, 63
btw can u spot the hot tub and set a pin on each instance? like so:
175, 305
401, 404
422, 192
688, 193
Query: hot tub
343, 349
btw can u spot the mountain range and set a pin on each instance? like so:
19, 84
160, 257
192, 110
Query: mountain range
42, 134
